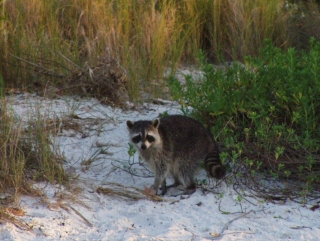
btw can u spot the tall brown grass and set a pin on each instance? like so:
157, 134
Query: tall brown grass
26, 153
143, 36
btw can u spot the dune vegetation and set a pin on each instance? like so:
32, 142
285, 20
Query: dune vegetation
75, 46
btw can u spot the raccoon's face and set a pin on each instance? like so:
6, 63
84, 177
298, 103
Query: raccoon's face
144, 134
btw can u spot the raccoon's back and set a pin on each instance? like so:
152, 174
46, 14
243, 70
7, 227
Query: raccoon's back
185, 137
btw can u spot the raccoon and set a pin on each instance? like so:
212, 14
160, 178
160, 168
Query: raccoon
175, 145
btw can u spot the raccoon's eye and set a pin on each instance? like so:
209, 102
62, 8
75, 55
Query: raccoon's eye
136, 139
150, 138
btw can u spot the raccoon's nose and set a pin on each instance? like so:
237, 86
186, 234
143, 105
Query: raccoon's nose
143, 146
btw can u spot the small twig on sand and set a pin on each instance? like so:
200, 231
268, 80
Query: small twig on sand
226, 226
80, 215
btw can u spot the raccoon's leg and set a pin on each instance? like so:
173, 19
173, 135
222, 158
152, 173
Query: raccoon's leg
160, 178
176, 182
190, 189
163, 187
186, 178
157, 184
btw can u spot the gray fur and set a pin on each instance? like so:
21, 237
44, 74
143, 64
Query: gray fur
180, 144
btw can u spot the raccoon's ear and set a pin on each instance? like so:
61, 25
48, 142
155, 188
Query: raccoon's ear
130, 124
156, 123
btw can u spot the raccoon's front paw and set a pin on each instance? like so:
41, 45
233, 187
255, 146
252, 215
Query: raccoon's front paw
163, 190
149, 191
154, 189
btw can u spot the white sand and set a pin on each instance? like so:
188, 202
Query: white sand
113, 218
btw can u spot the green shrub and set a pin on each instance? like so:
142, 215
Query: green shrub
265, 111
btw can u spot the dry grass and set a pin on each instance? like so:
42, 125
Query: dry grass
26, 155
104, 80
85, 31
238, 28
119, 191
142, 36
8, 215
305, 23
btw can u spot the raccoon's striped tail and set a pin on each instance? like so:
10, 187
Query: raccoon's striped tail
214, 166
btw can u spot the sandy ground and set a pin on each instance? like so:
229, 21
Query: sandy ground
97, 156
